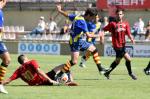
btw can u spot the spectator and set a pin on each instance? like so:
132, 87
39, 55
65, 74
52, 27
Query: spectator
138, 28
51, 25
65, 29
105, 23
147, 35
40, 27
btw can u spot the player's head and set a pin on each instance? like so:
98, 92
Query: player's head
90, 14
97, 18
120, 14
22, 58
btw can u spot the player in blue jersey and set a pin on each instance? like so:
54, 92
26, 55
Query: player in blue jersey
77, 44
4, 55
93, 27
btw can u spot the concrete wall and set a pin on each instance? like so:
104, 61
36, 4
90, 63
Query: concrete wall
64, 50
29, 19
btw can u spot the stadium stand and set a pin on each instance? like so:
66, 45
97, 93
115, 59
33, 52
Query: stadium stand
47, 4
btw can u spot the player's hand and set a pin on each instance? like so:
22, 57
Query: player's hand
133, 41
56, 83
59, 8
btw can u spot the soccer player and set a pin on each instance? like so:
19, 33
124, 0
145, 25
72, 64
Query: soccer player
118, 30
93, 27
77, 44
147, 69
4, 55
30, 72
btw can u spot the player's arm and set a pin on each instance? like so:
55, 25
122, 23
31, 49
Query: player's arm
108, 27
101, 37
90, 35
14, 76
2, 3
7, 81
128, 32
40, 72
59, 9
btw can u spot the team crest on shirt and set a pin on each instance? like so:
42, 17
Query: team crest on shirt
120, 27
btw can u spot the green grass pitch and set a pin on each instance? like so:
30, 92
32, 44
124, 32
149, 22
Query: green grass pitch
92, 85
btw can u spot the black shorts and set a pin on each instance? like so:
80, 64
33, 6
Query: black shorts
51, 75
120, 52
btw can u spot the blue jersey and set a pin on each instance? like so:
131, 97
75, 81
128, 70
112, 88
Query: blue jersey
1, 18
79, 27
94, 28
3, 48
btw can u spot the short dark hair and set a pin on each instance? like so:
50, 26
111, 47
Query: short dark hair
91, 12
21, 58
118, 10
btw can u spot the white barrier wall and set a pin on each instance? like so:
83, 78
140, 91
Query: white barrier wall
139, 50
38, 48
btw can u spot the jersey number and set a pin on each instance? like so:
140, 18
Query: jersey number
28, 75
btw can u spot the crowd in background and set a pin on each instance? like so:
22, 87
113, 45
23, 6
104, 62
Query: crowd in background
140, 30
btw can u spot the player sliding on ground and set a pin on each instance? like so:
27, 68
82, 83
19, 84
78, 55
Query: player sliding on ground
30, 72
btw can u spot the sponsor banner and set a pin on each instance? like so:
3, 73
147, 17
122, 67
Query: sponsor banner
127, 4
133, 50
38, 48
142, 50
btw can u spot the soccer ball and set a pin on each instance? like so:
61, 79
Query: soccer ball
147, 72
63, 78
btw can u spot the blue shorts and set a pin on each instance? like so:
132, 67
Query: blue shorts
3, 48
81, 45
1, 18
92, 42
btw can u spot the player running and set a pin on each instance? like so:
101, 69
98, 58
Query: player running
77, 44
118, 30
94, 27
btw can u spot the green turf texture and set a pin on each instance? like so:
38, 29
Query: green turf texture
92, 85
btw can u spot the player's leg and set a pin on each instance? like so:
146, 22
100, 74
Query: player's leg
114, 63
147, 68
96, 58
112, 67
84, 58
128, 65
3, 68
72, 62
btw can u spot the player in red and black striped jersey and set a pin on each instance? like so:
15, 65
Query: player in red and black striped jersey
118, 30
30, 72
